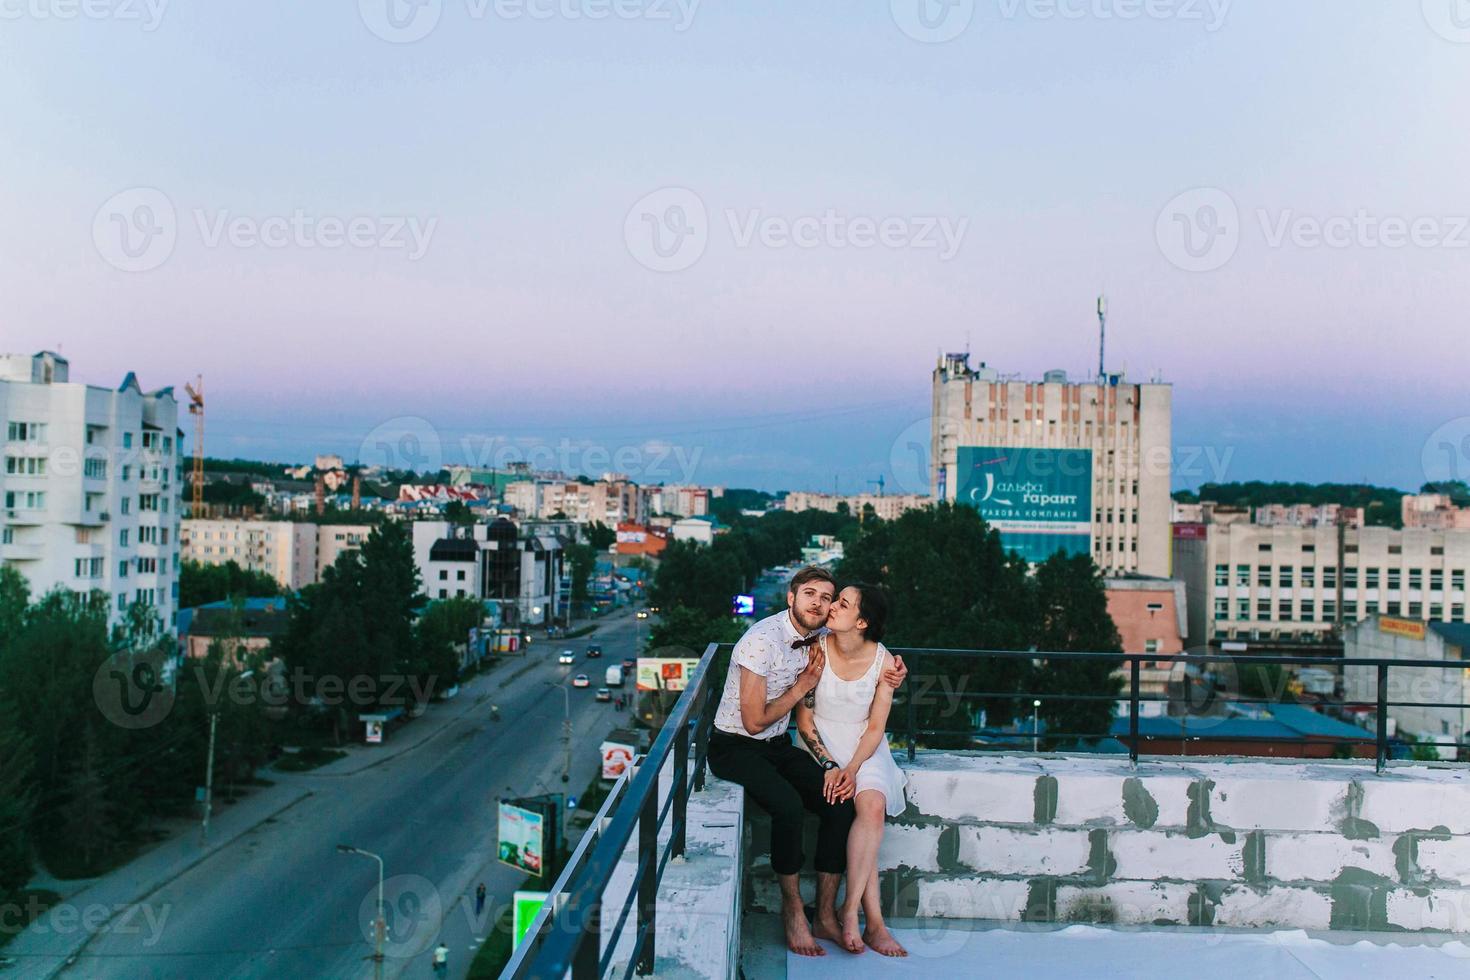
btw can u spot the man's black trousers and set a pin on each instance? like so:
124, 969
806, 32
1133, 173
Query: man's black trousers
786, 782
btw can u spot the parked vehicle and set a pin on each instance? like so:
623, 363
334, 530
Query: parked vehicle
614, 677
581, 680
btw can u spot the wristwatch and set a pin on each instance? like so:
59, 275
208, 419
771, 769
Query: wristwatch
829, 765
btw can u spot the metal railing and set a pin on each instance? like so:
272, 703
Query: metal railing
567, 934
917, 658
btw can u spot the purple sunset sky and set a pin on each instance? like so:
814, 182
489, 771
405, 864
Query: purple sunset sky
1062, 143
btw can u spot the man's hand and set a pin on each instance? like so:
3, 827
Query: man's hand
838, 785
894, 676
807, 679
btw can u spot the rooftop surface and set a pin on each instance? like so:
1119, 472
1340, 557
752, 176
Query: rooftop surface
960, 949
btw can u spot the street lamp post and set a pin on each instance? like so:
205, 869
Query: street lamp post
1035, 726
566, 732
380, 926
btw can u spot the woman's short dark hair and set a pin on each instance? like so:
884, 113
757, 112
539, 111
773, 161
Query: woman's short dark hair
873, 608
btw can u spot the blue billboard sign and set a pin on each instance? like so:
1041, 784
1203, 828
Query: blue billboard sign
1040, 500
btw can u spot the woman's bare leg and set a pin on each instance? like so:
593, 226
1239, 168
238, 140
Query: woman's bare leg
875, 930
862, 863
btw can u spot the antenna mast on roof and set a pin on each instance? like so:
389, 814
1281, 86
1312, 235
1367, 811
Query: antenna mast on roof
1102, 334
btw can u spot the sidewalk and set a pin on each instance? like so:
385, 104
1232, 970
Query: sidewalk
89, 907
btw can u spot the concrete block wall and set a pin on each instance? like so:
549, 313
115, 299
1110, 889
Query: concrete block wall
1256, 844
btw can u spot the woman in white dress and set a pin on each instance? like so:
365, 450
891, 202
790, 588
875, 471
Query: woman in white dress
842, 724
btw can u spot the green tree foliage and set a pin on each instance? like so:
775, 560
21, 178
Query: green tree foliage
1072, 611
440, 634
200, 583
600, 536
16, 802
697, 577
456, 512
688, 631
581, 560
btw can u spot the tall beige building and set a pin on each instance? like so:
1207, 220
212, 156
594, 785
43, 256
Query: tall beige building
1057, 465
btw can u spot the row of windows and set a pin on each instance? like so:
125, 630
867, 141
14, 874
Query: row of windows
25, 500
36, 432
444, 574
1286, 576
26, 432
1308, 612
25, 465
88, 568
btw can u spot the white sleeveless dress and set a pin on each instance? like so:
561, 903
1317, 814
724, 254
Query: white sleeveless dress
841, 716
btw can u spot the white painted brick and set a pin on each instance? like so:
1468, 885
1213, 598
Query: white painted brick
913, 845
1322, 857
971, 795
1003, 851
1396, 804
1089, 799
1276, 907
1171, 793
1447, 859
972, 898
1443, 909
1146, 855
1277, 804
1126, 902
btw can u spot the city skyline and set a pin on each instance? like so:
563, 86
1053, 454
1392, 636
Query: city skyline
331, 226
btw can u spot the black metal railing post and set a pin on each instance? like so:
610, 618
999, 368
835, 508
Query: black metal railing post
680, 777
913, 716
1133, 711
648, 879
1382, 735
709, 703
589, 944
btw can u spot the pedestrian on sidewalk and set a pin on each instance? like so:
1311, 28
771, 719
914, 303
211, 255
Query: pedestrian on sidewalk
441, 960
479, 898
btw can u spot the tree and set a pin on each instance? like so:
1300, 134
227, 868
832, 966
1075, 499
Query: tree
456, 512
16, 802
698, 577
691, 630
440, 635
1072, 613
200, 584
581, 560
600, 536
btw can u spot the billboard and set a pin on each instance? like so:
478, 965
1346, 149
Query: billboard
1040, 500
617, 756
527, 906
523, 830
1402, 627
744, 605
664, 673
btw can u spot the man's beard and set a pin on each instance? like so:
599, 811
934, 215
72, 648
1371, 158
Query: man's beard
809, 624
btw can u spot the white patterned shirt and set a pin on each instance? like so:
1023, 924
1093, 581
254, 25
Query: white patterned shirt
765, 649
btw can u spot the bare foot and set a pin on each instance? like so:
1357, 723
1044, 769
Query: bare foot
852, 937
826, 927
883, 942
798, 934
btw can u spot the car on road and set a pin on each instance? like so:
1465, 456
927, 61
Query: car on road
653, 609
593, 651
643, 614
603, 694
581, 680
567, 657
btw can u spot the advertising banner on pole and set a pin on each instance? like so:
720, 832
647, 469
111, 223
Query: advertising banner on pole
664, 673
523, 830
1040, 500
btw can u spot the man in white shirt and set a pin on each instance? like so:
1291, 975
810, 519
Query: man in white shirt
773, 666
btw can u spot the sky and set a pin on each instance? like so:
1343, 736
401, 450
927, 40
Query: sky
724, 242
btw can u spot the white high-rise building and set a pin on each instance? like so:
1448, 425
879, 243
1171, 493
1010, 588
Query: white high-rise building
91, 485
1058, 465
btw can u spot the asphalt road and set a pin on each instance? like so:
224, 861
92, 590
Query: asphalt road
282, 902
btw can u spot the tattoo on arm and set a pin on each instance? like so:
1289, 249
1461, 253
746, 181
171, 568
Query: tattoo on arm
814, 742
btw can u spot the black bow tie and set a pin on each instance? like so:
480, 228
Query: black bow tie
803, 644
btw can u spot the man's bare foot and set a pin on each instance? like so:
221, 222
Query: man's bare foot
852, 936
798, 934
826, 927
883, 942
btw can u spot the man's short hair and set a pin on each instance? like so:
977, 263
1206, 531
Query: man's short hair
812, 573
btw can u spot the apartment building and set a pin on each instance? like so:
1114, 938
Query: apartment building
518, 566
284, 550
1282, 583
1424, 694
334, 540
887, 507
90, 485
608, 502
1434, 511
1056, 465
680, 501
1308, 515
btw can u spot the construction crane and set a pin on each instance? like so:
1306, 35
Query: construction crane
196, 409
878, 483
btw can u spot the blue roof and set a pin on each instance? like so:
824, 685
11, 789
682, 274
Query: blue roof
1455, 634
1288, 722
184, 618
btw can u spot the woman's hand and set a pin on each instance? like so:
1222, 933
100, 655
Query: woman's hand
838, 785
